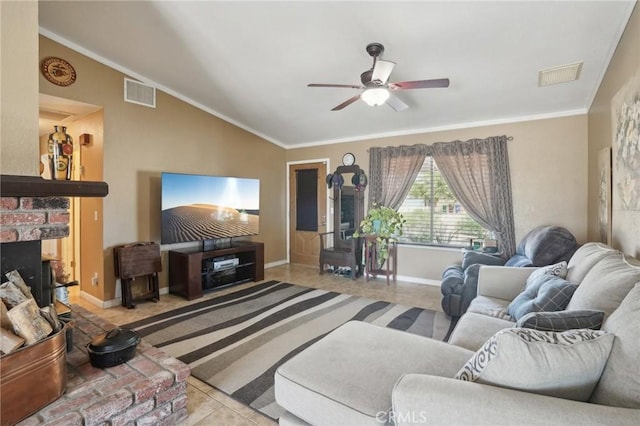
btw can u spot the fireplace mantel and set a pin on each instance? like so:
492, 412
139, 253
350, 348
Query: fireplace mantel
35, 186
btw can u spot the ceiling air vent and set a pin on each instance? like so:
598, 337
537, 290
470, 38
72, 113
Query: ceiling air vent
561, 74
138, 93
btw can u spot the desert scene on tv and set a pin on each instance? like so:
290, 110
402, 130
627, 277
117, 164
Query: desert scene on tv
196, 208
204, 221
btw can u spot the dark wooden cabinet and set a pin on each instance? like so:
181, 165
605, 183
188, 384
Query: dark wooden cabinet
193, 272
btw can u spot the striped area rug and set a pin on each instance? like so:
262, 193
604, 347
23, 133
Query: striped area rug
235, 342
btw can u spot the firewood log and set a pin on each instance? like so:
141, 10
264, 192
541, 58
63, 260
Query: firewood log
11, 295
49, 313
9, 342
4, 319
15, 277
28, 323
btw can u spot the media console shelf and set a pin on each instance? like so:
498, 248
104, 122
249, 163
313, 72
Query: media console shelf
193, 272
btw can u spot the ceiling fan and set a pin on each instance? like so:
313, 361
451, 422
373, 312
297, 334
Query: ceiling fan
377, 90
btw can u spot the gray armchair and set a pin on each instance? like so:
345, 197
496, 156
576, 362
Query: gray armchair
544, 245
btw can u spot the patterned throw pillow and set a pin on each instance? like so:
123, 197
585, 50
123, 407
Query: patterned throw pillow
557, 270
545, 293
501, 313
562, 320
564, 365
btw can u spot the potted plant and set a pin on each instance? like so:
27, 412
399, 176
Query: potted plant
386, 224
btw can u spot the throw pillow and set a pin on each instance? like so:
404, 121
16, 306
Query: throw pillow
562, 320
558, 270
545, 293
564, 365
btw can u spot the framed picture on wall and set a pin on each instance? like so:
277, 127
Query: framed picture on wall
604, 195
625, 110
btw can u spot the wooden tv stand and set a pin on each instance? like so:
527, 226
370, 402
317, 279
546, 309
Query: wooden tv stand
193, 272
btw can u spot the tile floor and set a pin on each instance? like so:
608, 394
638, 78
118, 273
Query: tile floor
207, 405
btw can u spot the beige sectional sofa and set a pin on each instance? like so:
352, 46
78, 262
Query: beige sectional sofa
490, 372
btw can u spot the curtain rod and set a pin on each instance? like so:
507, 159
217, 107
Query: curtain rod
509, 138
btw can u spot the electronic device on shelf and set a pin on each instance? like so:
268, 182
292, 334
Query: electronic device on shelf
224, 263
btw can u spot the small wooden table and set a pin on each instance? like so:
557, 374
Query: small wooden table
138, 260
371, 258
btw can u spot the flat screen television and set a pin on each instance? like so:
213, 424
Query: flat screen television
200, 207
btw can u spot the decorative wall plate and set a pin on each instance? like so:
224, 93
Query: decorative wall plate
58, 71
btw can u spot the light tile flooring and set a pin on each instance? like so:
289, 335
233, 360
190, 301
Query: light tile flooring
207, 405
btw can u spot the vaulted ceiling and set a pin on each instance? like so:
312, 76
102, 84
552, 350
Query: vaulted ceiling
250, 62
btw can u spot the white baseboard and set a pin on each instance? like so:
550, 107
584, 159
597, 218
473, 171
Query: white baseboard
425, 281
276, 263
106, 304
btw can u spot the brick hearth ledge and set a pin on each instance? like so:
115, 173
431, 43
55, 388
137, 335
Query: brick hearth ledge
150, 389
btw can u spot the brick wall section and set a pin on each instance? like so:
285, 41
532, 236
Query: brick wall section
33, 218
149, 389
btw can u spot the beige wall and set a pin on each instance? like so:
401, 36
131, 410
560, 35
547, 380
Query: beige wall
141, 142
623, 66
19, 88
548, 160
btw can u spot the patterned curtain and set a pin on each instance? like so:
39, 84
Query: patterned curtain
477, 172
392, 171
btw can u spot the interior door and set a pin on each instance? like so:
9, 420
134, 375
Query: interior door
307, 211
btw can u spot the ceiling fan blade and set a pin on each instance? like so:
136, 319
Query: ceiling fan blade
346, 103
420, 84
382, 71
396, 104
345, 86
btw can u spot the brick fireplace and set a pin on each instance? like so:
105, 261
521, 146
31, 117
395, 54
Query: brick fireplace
24, 222
34, 209
148, 389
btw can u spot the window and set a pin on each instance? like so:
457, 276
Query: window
433, 215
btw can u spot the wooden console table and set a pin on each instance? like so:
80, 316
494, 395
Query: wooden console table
371, 259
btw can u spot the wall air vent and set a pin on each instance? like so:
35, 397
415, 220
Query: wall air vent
138, 93
561, 74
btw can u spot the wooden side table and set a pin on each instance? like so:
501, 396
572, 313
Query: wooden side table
371, 259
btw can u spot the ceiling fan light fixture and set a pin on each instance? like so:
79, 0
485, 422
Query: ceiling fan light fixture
375, 96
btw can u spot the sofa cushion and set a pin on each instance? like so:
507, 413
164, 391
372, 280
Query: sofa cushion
565, 365
473, 330
585, 258
347, 377
562, 320
543, 293
545, 245
471, 257
486, 305
619, 385
519, 261
606, 284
